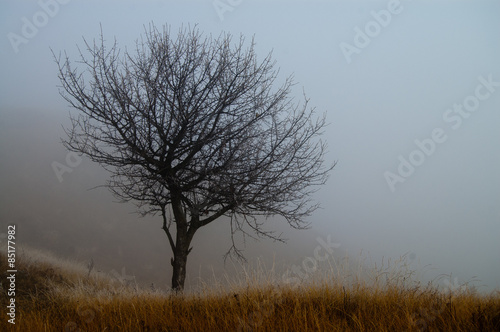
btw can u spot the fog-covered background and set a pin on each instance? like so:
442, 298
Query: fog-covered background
405, 76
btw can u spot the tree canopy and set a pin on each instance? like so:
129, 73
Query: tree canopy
194, 129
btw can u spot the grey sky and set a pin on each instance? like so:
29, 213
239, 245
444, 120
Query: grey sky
400, 79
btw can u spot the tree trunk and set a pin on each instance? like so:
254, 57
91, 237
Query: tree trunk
181, 250
179, 269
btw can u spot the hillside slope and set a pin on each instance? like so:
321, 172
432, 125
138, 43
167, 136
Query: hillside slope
57, 295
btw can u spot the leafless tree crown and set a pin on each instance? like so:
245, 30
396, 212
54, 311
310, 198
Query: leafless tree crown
193, 125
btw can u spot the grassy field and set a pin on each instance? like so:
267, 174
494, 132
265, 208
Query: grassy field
56, 295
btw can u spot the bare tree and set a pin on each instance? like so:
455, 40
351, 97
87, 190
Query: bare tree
191, 128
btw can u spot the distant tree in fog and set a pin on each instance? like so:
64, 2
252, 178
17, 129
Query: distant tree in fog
192, 129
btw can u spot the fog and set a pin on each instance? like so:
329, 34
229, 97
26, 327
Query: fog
411, 91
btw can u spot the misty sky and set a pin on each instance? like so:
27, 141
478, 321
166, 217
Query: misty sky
412, 94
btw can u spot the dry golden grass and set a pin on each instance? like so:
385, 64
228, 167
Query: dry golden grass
55, 295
